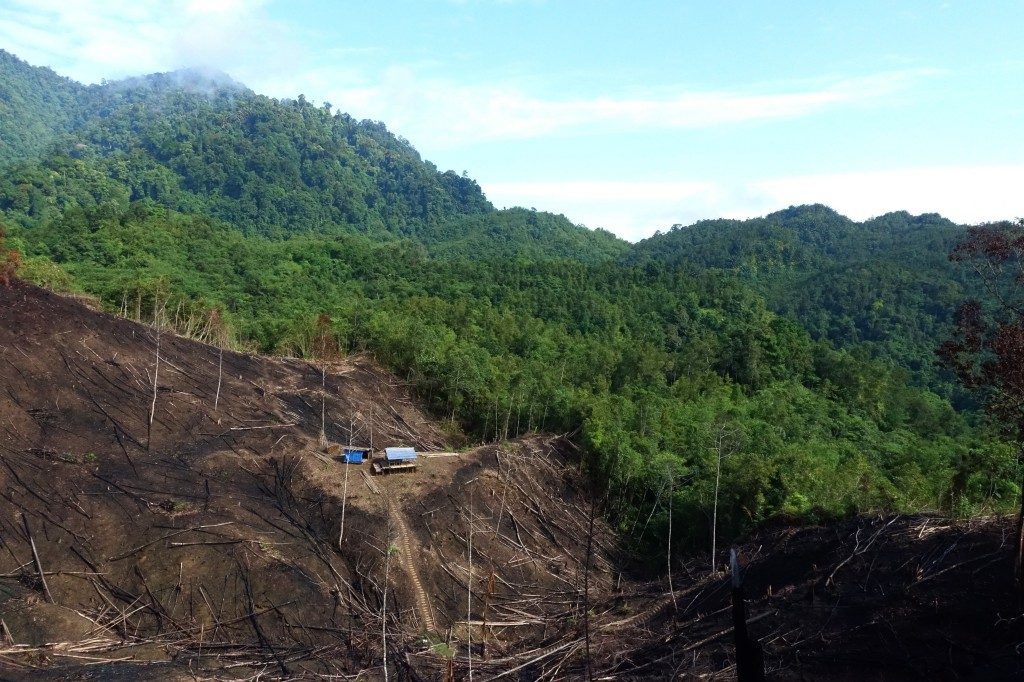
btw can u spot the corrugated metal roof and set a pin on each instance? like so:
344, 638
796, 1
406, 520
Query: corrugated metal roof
399, 454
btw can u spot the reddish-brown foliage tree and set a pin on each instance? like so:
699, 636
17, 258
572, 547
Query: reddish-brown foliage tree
10, 260
986, 349
325, 343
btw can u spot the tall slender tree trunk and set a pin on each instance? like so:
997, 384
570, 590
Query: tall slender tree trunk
586, 586
668, 553
323, 405
451, 398
156, 375
344, 490
220, 376
1018, 563
384, 600
497, 420
488, 594
714, 511
469, 591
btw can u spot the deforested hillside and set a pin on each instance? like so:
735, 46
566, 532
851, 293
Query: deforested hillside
217, 539
209, 527
210, 538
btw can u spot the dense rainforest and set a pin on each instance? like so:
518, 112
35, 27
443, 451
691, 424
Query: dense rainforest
779, 366
886, 284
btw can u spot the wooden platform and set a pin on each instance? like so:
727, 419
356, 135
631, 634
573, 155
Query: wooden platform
379, 468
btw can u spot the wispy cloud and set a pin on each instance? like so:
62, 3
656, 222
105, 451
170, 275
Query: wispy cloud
447, 113
94, 39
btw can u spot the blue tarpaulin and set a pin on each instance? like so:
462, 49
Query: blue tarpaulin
354, 455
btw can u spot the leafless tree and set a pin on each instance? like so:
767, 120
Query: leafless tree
586, 583
389, 549
158, 323
326, 351
218, 331
344, 489
469, 589
725, 442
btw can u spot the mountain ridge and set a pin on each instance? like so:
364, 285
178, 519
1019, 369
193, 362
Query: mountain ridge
199, 142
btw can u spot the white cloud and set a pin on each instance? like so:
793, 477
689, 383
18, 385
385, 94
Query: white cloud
94, 39
441, 113
634, 210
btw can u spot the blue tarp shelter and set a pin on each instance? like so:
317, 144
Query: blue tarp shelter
354, 455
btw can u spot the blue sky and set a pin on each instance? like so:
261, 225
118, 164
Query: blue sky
631, 116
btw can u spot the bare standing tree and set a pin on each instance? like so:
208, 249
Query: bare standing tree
469, 589
158, 320
220, 337
344, 490
586, 583
671, 474
326, 351
668, 544
389, 549
725, 442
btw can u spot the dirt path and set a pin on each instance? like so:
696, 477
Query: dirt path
408, 562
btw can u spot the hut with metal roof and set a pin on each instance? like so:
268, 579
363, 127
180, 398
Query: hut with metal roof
396, 459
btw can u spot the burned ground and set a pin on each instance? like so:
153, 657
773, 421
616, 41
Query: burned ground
870, 598
212, 530
210, 541
208, 545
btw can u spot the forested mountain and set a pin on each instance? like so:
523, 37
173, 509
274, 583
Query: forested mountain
885, 285
198, 142
774, 351
36, 106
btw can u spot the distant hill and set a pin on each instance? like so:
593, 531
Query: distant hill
522, 233
885, 282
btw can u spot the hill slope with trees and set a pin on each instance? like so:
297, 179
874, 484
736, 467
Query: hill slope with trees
884, 285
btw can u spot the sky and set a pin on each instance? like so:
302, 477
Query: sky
627, 115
